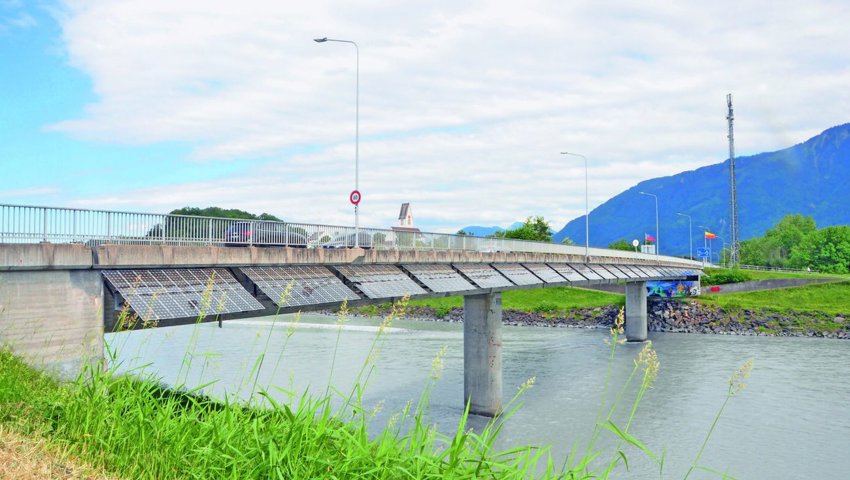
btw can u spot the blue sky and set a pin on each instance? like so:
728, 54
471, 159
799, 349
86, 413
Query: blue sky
152, 105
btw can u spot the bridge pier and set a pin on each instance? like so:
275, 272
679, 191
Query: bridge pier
482, 353
635, 327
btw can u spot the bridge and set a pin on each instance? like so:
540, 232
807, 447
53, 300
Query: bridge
66, 275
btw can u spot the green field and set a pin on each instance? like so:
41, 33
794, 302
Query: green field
830, 298
768, 274
558, 299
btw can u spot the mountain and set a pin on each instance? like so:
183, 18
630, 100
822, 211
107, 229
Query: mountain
811, 178
477, 231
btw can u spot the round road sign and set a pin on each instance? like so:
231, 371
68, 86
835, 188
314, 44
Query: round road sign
354, 197
635, 243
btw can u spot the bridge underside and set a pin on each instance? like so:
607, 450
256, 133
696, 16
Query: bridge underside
177, 296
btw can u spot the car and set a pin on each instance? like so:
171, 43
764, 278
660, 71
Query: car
263, 234
347, 241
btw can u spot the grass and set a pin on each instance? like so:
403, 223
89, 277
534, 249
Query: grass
558, 299
133, 427
828, 298
768, 274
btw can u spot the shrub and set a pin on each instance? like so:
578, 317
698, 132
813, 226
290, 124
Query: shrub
722, 276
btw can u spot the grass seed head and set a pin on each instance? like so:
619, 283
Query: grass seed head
736, 381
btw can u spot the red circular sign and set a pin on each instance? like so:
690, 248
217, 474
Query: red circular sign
354, 197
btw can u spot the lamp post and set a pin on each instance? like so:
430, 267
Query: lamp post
657, 243
356, 136
706, 243
586, 211
690, 234
720, 255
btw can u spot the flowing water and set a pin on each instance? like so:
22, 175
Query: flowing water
792, 420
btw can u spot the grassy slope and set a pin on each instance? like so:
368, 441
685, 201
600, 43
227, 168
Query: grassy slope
766, 274
546, 299
831, 298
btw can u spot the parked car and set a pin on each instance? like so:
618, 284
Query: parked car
263, 234
347, 241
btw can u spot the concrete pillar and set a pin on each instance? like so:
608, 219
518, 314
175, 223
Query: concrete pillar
482, 353
53, 318
636, 311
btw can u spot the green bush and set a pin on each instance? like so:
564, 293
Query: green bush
723, 276
442, 310
545, 308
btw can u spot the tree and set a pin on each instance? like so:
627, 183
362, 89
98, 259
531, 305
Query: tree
621, 245
567, 241
462, 232
826, 250
535, 228
775, 247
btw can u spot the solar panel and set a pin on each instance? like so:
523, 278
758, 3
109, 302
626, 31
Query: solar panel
602, 272
633, 271
586, 271
567, 272
517, 273
439, 277
483, 275
544, 272
310, 285
617, 272
645, 271
380, 281
158, 294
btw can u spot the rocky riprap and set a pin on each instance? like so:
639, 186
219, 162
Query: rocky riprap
666, 315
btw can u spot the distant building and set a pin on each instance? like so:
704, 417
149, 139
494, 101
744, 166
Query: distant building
405, 219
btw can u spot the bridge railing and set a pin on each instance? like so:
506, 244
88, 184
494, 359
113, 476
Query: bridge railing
34, 224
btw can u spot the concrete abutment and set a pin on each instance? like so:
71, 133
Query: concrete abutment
636, 324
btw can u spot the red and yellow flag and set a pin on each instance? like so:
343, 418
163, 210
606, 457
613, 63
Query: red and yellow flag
709, 235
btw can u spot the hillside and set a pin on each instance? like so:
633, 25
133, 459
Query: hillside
810, 178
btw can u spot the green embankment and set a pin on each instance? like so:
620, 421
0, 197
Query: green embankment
829, 298
550, 300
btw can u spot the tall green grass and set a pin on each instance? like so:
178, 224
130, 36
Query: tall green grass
132, 425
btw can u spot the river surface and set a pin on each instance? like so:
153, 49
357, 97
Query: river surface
791, 422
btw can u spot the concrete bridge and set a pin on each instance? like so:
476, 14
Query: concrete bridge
57, 297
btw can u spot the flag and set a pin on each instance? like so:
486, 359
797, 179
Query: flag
710, 236
648, 238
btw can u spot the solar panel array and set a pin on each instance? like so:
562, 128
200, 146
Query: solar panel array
439, 277
646, 271
159, 294
380, 281
618, 273
295, 285
544, 272
633, 271
567, 272
602, 272
517, 273
483, 275
586, 271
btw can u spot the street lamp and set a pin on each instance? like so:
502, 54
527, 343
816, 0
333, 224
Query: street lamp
690, 234
356, 138
586, 211
657, 243
720, 255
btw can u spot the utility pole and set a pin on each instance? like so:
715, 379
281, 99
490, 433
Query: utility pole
733, 191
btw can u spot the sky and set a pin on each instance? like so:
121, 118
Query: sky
465, 106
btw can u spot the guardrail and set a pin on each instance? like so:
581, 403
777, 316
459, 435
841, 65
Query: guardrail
34, 224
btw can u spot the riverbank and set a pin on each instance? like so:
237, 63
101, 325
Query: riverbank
666, 315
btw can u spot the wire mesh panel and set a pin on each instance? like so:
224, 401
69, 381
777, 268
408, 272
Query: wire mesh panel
380, 281
586, 271
567, 272
517, 273
483, 275
544, 272
158, 294
439, 277
620, 274
295, 285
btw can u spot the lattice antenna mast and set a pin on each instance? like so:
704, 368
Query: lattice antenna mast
733, 190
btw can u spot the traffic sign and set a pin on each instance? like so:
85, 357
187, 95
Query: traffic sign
702, 252
354, 197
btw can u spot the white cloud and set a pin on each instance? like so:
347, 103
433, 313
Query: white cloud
465, 106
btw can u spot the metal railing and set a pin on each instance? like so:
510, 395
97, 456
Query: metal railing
34, 224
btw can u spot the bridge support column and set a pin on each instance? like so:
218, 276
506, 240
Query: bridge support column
482, 353
635, 327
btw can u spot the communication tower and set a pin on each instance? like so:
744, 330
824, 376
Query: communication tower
733, 191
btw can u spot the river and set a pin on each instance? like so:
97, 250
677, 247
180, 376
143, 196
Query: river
792, 420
